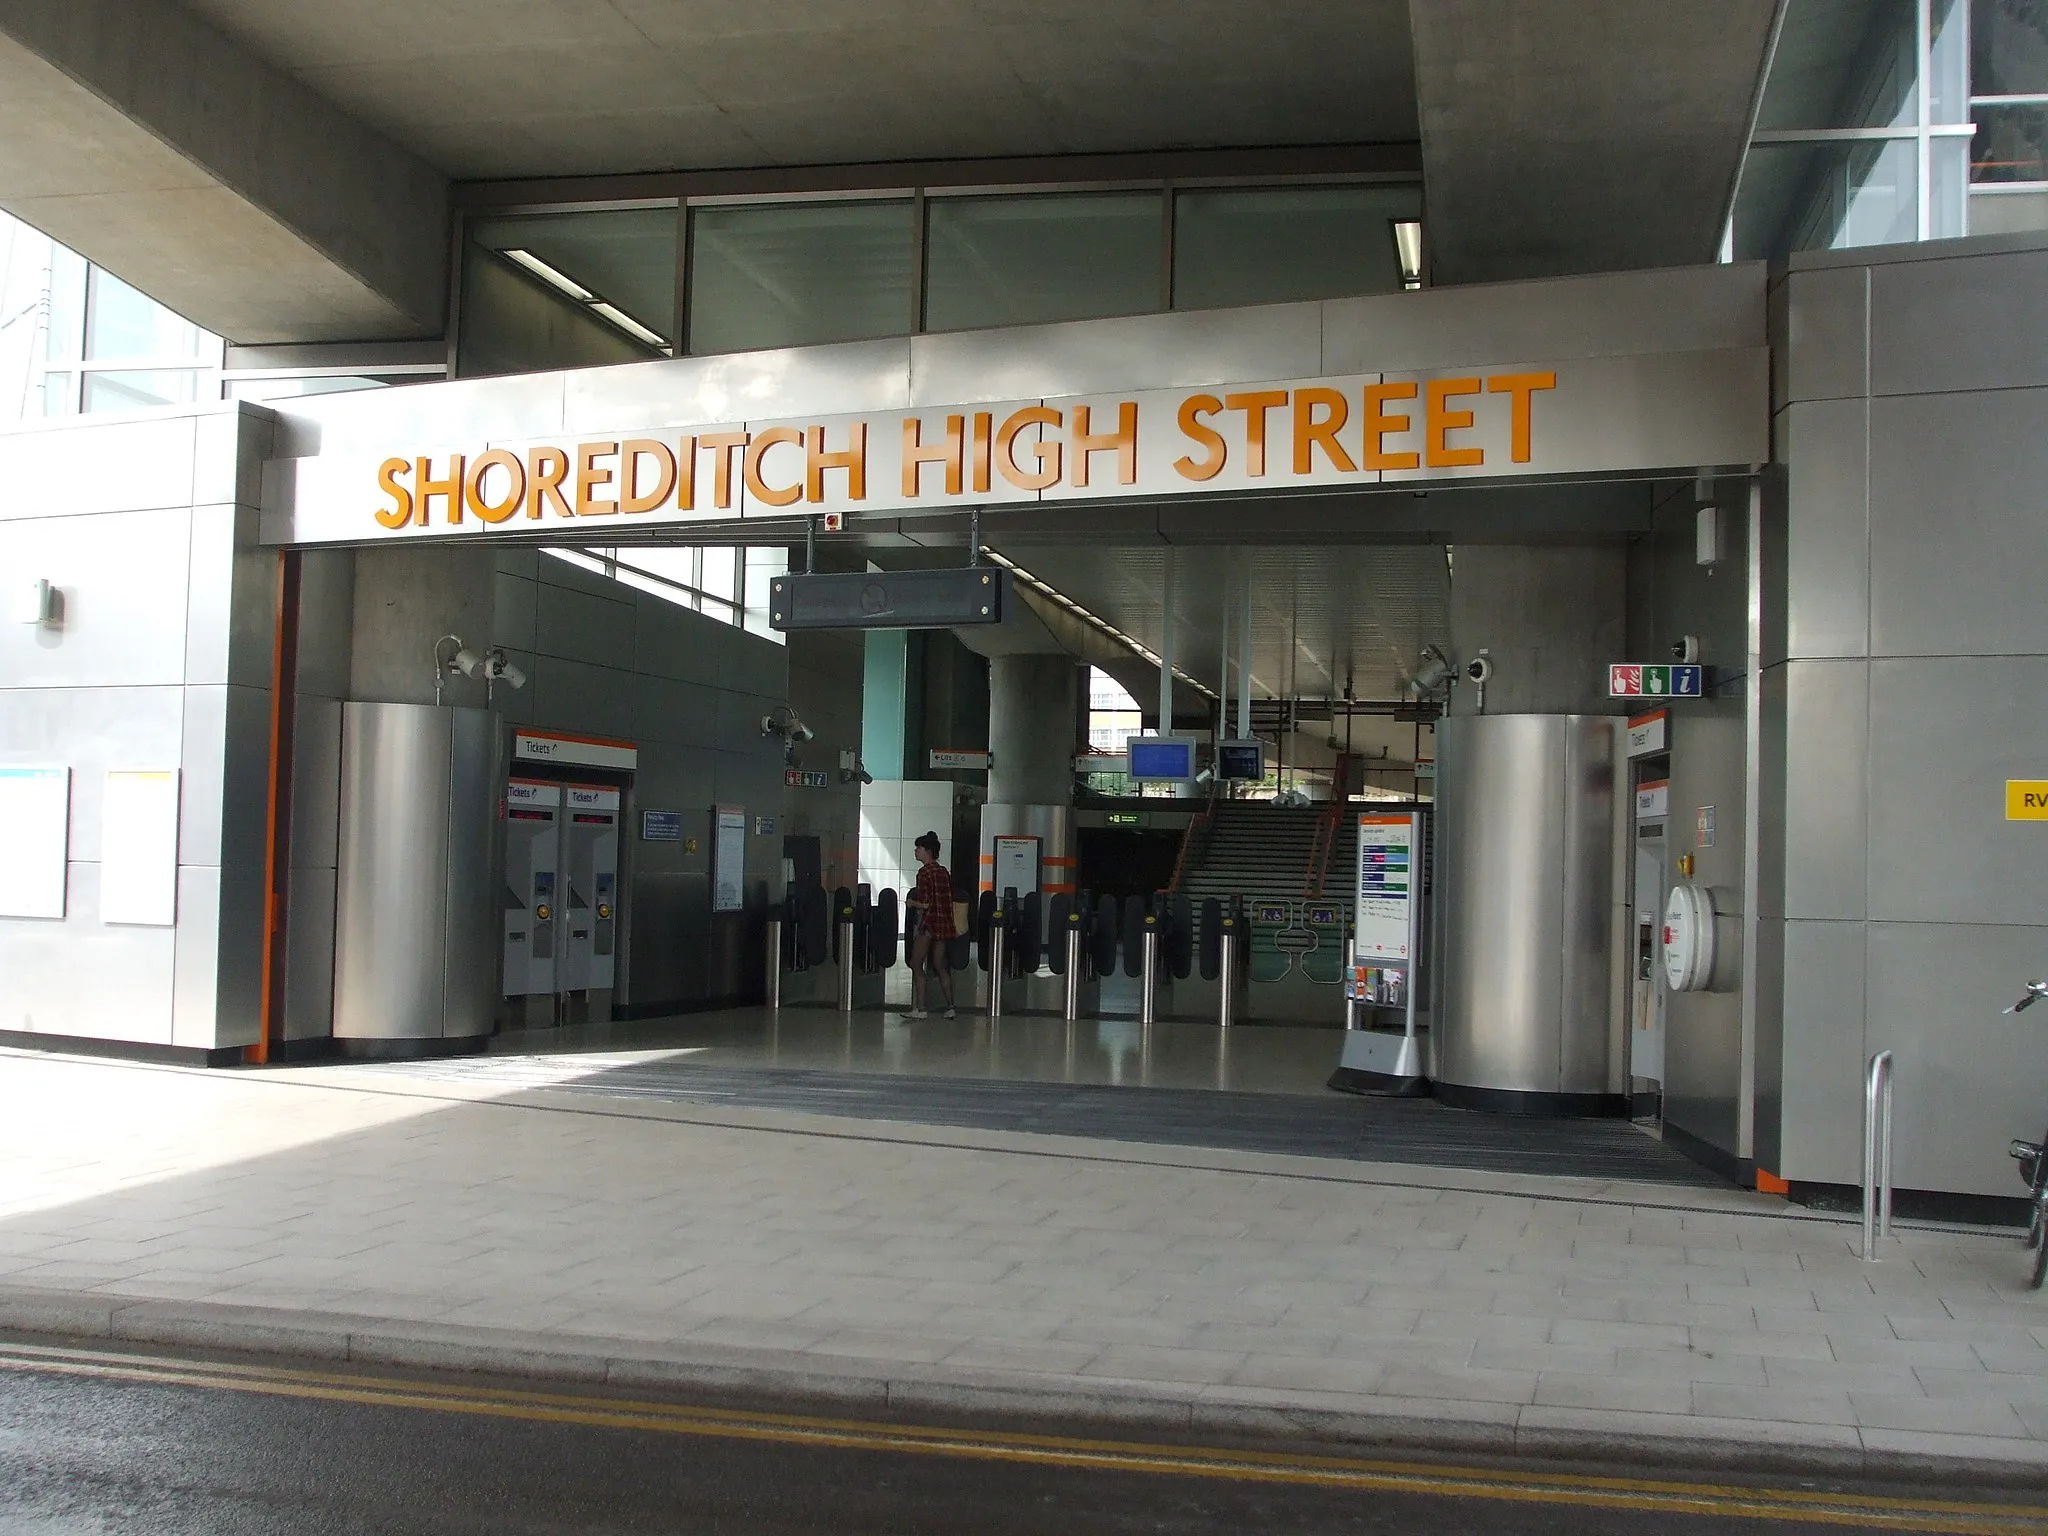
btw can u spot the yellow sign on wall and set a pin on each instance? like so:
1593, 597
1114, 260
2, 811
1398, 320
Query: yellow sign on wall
2026, 799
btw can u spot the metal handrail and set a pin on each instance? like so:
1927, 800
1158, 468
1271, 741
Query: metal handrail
1877, 1153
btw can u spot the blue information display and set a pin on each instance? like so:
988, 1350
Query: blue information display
1162, 757
661, 826
1241, 760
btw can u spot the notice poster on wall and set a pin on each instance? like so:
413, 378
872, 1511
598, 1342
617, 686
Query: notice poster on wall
728, 859
35, 840
1386, 847
139, 847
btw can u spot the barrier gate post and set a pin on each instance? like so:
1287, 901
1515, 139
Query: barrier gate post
846, 960
1073, 976
1226, 972
1148, 985
996, 960
774, 957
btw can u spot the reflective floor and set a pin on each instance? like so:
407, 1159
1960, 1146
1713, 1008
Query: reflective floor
1257, 1058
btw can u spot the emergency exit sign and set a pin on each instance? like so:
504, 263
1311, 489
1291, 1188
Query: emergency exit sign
1653, 680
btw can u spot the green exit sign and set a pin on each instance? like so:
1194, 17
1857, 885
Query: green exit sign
1124, 819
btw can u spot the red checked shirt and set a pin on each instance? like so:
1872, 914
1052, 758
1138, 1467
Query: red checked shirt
935, 891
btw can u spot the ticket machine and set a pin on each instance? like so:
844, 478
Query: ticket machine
532, 863
561, 900
590, 889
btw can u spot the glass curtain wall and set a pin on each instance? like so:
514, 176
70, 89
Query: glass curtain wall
2009, 101
563, 290
1863, 132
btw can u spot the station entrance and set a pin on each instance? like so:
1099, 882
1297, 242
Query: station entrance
1276, 737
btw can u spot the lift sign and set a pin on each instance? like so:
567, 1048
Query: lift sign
1638, 680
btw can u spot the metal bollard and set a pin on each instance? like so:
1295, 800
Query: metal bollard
1226, 977
774, 957
1073, 977
996, 960
1350, 971
1877, 1153
1148, 984
846, 965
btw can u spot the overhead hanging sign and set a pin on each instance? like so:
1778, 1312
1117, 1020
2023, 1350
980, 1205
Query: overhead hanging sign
575, 751
1583, 416
960, 759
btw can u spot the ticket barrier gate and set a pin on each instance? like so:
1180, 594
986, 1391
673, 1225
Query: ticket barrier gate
560, 926
1296, 961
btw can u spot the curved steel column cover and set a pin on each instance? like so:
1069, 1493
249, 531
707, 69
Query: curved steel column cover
1524, 874
415, 957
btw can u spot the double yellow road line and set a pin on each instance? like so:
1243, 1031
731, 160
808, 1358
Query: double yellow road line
1333, 1472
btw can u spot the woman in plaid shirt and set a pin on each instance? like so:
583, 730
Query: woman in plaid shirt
933, 902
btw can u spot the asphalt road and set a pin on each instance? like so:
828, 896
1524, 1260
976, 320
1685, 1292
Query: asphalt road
121, 1441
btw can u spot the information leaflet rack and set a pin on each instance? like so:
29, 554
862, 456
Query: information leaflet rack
1385, 954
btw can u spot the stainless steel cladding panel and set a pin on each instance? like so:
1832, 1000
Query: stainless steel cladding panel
1525, 873
414, 951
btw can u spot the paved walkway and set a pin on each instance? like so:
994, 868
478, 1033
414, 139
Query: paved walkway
348, 1212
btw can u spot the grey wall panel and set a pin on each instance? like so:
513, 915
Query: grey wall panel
316, 782
1967, 323
309, 955
1826, 827
1969, 1078
196, 989
124, 622
1551, 619
684, 713
1771, 812
513, 601
231, 603
82, 977
1957, 542
522, 563
1280, 341
228, 450
470, 930
225, 794
1821, 1054
588, 700
579, 626
799, 381
1703, 1030
1767, 959
1827, 528
1826, 354
1679, 309
85, 466
1687, 598
238, 988
327, 599
92, 730
406, 599
1945, 735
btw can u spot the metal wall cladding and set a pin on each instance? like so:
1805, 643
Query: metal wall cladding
1524, 892
414, 951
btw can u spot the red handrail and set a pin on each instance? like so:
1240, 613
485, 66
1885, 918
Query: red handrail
1187, 841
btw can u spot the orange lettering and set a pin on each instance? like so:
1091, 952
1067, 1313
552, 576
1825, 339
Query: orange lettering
1378, 424
631, 452
590, 478
1123, 442
686, 475
545, 471
854, 461
758, 488
1520, 388
399, 513
983, 423
1216, 452
1047, 454
948, 450
1441, 421
722, 446
449, 489
1309, 433
1255, 404
515, 485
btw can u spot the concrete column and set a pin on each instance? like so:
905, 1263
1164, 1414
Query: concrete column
1032, 705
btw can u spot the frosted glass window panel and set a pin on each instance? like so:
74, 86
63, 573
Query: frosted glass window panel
66, 338
137, 388
325, 384
2009, 47
624, 257
35, 840
1844, 64
123, 322
675, 563
1827, 196
795, 274
1030, 260
1275, 245
721, 567
139, 847
1948, 62
60, 394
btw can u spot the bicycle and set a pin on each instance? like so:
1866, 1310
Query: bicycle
2033, 1160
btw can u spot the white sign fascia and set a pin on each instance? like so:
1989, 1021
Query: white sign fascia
579, 752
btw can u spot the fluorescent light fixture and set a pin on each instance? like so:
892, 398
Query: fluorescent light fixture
628, 324
550, 276
1408, 251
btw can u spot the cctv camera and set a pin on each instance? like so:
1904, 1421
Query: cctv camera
802, 732
467, 662
1686, 648
1479, 669
1432, 672
507, 673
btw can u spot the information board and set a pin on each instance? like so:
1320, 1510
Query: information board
139, 847
1016, 865
728, 859
661, 826
1386, 904
35, 840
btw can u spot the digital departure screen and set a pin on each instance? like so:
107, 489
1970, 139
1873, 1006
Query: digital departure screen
1241, 760
1162, 757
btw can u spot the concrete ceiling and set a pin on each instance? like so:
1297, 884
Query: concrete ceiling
1582, 135
507, 88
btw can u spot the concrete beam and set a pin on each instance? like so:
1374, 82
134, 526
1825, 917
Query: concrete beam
143, 138
1563, 136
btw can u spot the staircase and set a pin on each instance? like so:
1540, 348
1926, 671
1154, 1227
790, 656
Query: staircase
1257, 849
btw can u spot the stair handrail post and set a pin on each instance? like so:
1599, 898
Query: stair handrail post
1877, 1153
